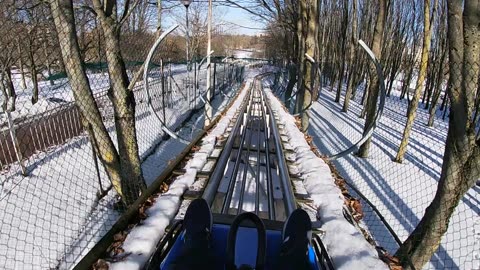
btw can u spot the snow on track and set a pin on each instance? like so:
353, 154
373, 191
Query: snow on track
345, 244
141, 241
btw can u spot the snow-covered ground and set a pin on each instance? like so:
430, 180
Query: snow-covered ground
51, 217
243, 53
345, 243
401, 192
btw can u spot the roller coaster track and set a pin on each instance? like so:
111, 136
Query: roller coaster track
246, 172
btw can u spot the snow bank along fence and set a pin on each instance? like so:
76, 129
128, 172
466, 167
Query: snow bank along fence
395, 196
65, 140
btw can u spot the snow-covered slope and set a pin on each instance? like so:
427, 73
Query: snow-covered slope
346, 245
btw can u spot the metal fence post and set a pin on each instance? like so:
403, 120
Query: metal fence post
16, 146
214, 85
163, 91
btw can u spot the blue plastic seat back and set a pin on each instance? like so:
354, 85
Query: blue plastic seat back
246, 249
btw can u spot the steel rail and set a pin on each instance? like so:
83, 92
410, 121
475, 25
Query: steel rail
217, 175
270, 199
231, 184
255, 102
257, 172
129, 215
286, 185
247, 161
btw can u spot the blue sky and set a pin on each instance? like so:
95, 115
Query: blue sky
238, 17
241, 17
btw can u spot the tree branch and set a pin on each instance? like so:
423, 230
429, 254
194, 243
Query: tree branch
247, 9
127, 12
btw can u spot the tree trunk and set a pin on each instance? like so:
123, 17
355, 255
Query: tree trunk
124, 109
310, 27
437, 92
406, 81
342, 53
11, 94
412, 111
300, 60
348, 93
430, 85
159, 15
292, 80
374, 81
47, 62
21, 65
33, 72
3, 91
461, 162
62, 13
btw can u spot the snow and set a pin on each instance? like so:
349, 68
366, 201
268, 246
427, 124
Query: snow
141, 240
345, 244
60, 94
401, 192
51, 218
246, 53
49, 96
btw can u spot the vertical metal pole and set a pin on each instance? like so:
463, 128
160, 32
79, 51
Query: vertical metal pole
224, 75
208, 107
170, 88
195, 84
188, 56
95, 161
163, 92
214, 85
188, 37
16, 146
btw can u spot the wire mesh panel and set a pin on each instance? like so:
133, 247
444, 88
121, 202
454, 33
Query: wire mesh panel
397, 194
77, 128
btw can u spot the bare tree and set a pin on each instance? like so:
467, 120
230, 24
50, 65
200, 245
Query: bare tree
308, 14
412, 111
122, 166
8, 55
375, 84
341, 71
461, 161
348, 93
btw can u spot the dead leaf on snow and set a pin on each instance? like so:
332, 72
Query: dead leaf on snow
100, 265
119, 236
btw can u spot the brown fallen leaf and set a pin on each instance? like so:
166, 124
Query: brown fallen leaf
100, 265
163, 188
118, 251
392, 261
119, 236
120, 257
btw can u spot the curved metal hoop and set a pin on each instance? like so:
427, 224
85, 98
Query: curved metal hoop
147, 89
379, 113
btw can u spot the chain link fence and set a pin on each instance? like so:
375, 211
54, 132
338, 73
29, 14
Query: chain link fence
78, 138
395, 195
